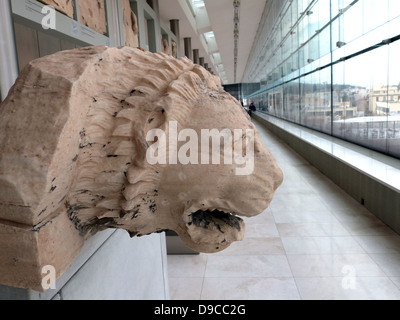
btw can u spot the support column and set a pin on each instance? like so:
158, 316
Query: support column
137, 7
8, 60
157, 27
201, 61
174, 26
196, 53
151, 3
152, 37
188, 48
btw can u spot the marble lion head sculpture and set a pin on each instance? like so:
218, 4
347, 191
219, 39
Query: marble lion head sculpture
75, 140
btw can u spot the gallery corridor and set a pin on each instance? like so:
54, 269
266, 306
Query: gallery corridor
313, 242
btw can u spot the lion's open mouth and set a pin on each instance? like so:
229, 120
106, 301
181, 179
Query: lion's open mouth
213, 229
215, 218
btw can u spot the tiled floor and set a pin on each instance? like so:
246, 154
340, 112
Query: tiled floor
313, 242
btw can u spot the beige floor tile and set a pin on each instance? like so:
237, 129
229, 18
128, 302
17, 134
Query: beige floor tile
307, 216
338, 265
187, 265
396, 281
292, 179
321, 245
311, 229
255, 246
261, 230
354, 214
389, 263
250, 289
334, 247
265, 266
338, 288
292, 188
265, 217
326, 188
338, 199
370, 227
185, 288
298, 202
379, 244
311, 174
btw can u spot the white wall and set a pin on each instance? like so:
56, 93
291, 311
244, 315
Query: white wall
111, 266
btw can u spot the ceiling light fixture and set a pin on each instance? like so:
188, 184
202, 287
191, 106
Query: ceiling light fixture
210, 34
199, 4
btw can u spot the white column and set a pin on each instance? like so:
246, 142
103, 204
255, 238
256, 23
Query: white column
8, 57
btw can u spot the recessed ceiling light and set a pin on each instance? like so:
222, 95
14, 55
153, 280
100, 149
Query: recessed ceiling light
209, 34
199, 4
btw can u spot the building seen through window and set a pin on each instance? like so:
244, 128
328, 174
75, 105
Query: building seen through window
332, 66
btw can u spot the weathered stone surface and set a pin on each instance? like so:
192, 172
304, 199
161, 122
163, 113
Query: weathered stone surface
64, 6
74, 161
26, 250
93, 15
130, 25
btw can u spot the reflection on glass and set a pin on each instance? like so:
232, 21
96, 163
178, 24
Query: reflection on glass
375, 14
394, 9
361, 99
320, 75
393, 126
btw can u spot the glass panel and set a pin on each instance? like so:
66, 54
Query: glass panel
287, 22
354, 99
305, 93
357, 86
380, 76
265, 100
336, 37
335, 7
339, 100
393, 129
376, 13
286, 102
361, 101
353, 22
313, 20
278, 101
394, 9
294, 101
295, 11
313, 49
325, 98
324, 42
303, 30
324, 12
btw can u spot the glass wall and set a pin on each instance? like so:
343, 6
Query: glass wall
235, 90
334, 66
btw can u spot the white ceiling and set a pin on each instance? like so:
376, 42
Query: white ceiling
217, 16
177, 9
